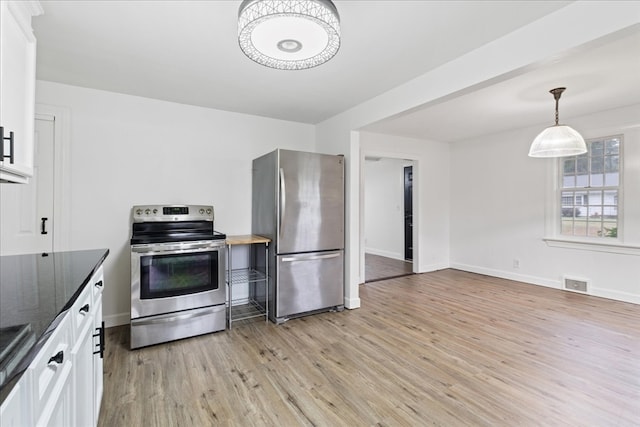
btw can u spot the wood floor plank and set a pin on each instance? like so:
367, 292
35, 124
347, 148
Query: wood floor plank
446, 349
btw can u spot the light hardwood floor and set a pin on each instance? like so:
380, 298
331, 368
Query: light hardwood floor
379, 268
447, 348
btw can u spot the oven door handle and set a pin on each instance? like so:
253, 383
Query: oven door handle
177, 248
173, 317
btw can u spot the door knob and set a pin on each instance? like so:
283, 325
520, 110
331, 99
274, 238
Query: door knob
43, 226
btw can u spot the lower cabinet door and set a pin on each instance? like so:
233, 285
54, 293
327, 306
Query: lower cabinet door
58, 409
11, 411
82, 356
98, 362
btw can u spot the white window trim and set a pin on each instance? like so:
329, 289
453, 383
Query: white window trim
553, 238
592, 245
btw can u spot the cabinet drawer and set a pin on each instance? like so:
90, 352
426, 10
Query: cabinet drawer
81, 312
47, 373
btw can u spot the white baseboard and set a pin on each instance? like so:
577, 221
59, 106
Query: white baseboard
540, 281
433, 267
616, 295
117, 320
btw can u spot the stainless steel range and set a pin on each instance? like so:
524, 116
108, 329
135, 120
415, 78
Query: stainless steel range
177, 274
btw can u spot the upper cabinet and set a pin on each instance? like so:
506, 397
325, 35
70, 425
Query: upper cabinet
17, 88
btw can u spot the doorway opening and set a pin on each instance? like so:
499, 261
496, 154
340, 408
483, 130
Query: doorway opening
388, 218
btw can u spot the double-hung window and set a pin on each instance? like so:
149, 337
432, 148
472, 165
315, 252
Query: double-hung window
590, 187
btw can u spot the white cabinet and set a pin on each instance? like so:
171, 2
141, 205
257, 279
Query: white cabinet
63, 384
50, 374
87, 369
17, 88
98, 343
11, 411
82, 357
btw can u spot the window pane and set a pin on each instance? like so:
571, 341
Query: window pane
582, 165
595, 212
597, 180
597, 148
612, 146
610, 198
580, 227
582, 181
612, 179
568, 181
595, 198
569, 166
597, 164
595, 229
611, 163
566, 226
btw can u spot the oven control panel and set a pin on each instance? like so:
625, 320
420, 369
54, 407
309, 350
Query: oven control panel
153, 213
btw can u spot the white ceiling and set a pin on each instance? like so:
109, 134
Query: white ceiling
187, 52
597, 78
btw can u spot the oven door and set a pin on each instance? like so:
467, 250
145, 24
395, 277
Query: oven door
170, 277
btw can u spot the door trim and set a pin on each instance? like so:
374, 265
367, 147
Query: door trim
61, 174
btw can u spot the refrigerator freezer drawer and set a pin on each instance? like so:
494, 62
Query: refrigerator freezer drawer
309, 282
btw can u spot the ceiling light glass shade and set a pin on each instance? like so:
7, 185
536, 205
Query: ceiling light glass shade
558, 141
289, 34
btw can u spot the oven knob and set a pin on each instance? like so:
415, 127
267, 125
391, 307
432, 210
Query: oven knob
147, 211
201, 211
155, 211
139, 212
208, 211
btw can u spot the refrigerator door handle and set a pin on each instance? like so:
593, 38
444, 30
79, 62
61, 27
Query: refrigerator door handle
283, 198
310, 258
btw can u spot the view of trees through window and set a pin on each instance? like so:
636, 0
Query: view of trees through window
589, 190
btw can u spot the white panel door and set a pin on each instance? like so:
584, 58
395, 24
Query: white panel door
26, 210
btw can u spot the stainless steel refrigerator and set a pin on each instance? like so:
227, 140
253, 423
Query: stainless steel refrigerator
298, 202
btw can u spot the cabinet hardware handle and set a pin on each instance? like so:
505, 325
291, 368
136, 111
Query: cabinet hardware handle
43, 226
84, 308
58, 358
100, 344
98, 284
11, 150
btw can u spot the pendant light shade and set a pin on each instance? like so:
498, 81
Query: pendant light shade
289, 34
558, 140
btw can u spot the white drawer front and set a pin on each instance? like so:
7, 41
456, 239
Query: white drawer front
97, 283
82, 312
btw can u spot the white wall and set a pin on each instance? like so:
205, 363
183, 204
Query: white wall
128, 150
384, 207
500, 198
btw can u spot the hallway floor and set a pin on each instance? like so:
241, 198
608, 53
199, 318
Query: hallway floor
378, 268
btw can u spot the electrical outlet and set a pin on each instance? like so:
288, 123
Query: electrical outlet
516, 263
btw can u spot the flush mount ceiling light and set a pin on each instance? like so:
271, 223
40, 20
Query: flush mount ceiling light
558, 140
289, 34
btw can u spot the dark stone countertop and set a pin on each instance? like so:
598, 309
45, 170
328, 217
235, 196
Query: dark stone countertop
36, 290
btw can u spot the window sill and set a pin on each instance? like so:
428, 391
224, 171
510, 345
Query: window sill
587, 245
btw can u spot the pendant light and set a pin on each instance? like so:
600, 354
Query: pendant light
558, 140
289, 34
